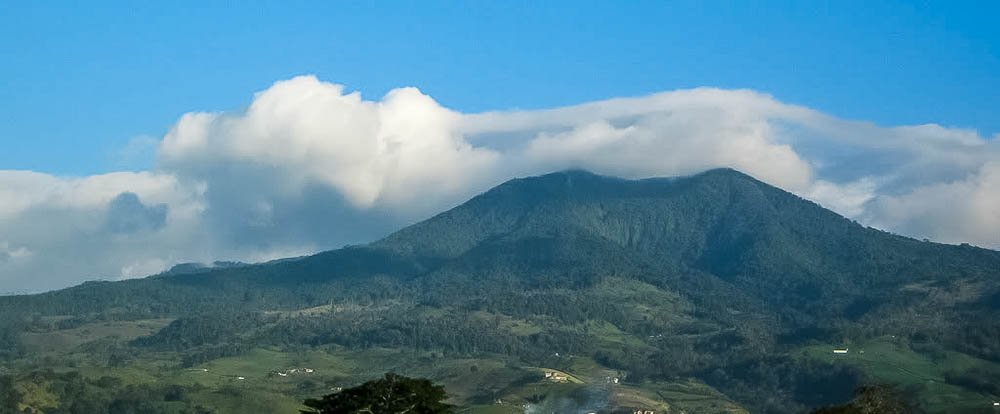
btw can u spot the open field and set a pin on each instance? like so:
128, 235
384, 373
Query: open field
886, 360
67, 339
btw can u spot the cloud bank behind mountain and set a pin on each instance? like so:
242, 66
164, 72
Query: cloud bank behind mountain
308, 166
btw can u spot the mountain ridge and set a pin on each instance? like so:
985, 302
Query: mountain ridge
716, 277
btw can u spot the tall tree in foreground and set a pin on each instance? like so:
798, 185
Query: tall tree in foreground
9, 397
872, 399
393, 394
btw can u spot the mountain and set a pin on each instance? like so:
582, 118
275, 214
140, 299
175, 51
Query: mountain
723, 225
715, 281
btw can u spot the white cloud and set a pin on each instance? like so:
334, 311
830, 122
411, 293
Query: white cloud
311, 132
660, 135
849, 199
63, 225
308, 166
964, 210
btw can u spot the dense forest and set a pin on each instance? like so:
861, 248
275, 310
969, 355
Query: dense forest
716, 278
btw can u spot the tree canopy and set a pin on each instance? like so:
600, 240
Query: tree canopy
872, 399
392, 394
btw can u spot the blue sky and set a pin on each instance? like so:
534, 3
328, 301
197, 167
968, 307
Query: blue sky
80, 81
218, 132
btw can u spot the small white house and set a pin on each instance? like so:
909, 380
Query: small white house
840, 351
240, 378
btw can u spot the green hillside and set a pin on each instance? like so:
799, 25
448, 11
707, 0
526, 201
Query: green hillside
702, 294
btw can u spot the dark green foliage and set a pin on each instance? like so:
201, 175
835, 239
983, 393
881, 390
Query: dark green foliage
79, 395
207, 353
791, 386
188, 332
393, 394
976, 379
9, 397
872, 399
980, 338
10, 344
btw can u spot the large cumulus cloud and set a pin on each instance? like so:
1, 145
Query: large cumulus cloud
307, 166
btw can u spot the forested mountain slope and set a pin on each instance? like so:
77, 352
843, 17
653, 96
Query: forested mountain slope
716, 278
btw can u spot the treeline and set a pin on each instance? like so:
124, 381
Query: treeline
976, 379
189, 332
71, 393
10, 343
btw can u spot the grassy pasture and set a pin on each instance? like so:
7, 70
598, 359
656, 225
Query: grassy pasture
65, 340
890, 361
